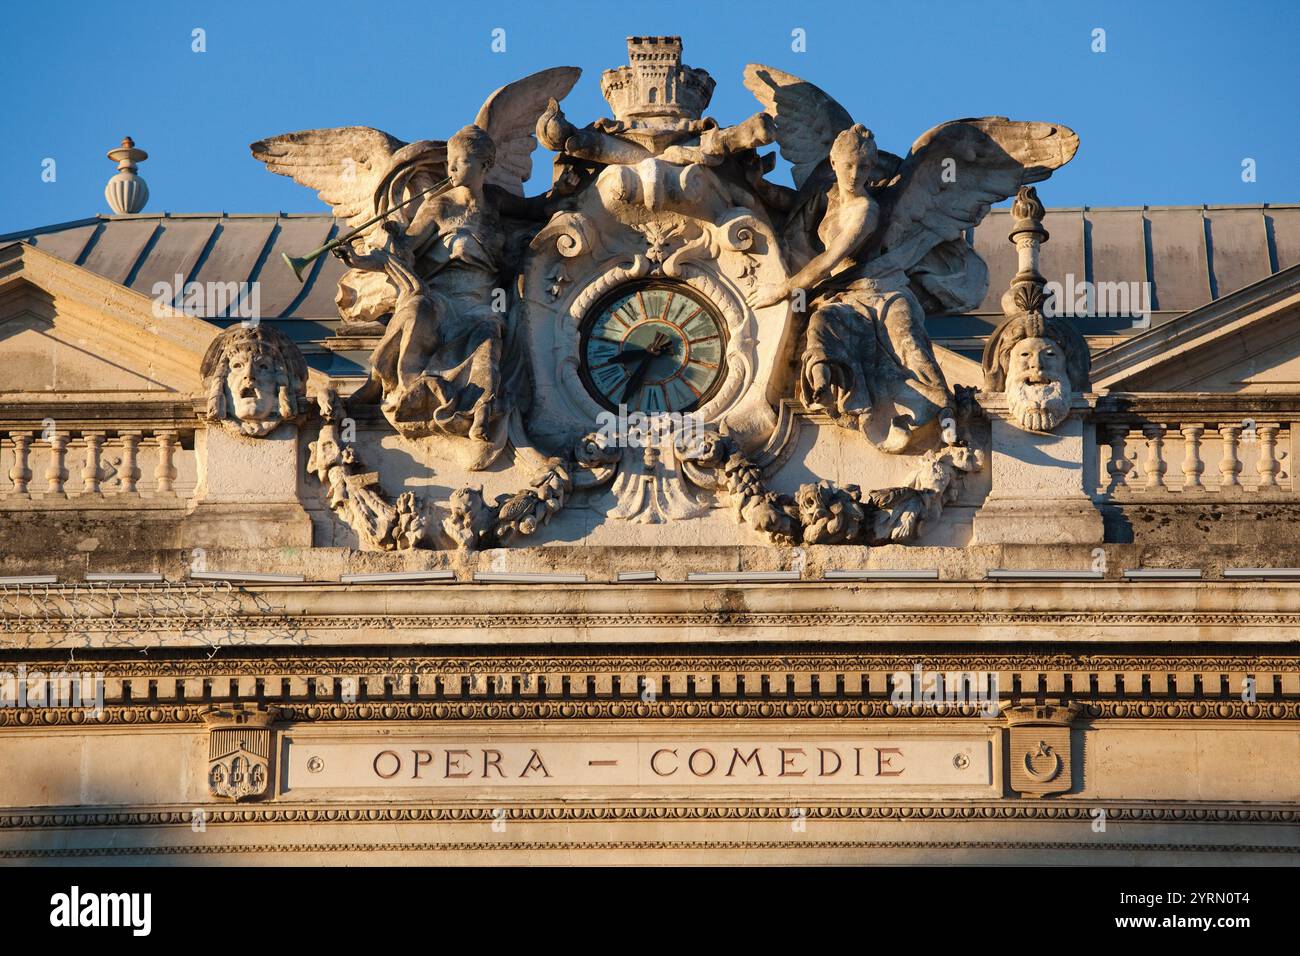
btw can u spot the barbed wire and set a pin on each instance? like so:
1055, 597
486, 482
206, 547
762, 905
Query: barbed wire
212, 615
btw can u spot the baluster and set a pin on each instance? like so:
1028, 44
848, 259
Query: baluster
1192, 464
130, 446
164, 472
54, 472
1267, 466
1118, 466
1155, 464
90, 472
1230, 463
18, 472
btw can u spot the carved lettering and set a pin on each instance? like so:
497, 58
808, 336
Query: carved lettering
839, 762
654, 763
736, 755
713, 762
453, 759
421, 758
396, 764
560, 760
534, 764
787, 762
882, 761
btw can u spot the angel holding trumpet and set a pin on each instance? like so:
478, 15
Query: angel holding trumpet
436, 264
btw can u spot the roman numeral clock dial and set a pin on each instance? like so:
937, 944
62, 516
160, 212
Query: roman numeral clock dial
654, 347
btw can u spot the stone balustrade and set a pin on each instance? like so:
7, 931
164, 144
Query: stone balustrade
1187, 458
100, 464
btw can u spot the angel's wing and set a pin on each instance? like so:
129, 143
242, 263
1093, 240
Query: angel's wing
343, 164
807, 118
510, 115
953, 174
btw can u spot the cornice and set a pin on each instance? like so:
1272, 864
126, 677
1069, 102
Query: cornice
802, 613
718, 708
564, 662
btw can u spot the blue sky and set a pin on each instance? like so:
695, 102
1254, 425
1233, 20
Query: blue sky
1183, 93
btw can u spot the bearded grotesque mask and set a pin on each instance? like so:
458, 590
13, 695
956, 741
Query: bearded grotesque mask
1038, 384
255, 380
1037, 361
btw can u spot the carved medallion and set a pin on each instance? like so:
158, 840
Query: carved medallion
1039, 750
239, 753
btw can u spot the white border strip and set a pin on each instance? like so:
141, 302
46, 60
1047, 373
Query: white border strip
1267, 574
1042, 574
1162, 574
252, 576
642, 576
741, 577
29, 579
398, 576
507, 577
883, 574
141, 577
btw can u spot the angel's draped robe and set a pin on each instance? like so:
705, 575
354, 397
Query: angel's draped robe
439, 360
872, 340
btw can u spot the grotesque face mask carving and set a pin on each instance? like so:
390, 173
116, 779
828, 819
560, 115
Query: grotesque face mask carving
252, 387
255, 380
1038, 384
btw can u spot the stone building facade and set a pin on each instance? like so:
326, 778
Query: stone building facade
669, 514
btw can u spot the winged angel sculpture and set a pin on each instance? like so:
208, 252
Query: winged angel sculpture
876, 238
437, 265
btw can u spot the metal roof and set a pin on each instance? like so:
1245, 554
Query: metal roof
1191, 255
140, 250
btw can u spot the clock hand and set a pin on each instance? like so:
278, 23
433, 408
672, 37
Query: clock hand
657, 346
653, 350
637, 377
630, 355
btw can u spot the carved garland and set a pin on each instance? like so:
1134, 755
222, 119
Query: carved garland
354, 493
472, 524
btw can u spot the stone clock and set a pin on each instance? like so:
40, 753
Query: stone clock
653, 346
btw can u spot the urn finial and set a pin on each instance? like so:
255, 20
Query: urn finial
127, 192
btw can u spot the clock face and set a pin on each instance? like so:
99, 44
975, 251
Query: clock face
654, 347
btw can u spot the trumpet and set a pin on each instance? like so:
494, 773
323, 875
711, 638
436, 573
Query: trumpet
299, 263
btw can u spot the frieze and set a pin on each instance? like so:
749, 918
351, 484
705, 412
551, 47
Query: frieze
633, 709
628, 846
583, 665
533, 811
559, 665
301, 625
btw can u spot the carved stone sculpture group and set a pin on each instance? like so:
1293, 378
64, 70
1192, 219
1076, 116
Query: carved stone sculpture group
663, 273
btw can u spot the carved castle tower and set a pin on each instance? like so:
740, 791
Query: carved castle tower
656, 86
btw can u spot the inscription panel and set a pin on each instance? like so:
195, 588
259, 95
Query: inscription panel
776, 764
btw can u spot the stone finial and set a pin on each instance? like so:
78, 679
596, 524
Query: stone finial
1034, 355
1028, 234
127, 192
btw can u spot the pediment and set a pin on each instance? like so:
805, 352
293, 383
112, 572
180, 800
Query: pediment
957, 368
1248, 341
66, 330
